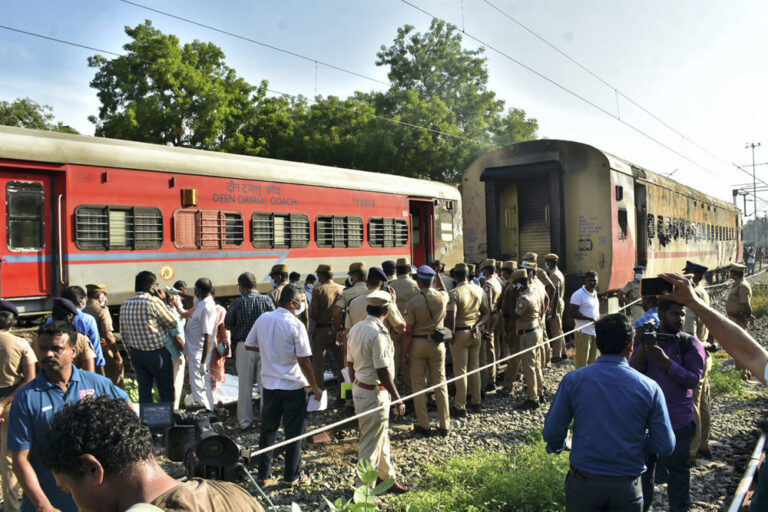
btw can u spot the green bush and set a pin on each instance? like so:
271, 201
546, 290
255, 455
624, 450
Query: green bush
725, 381
524, 478
760, 300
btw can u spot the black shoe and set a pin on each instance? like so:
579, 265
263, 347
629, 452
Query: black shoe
482, 394
556, 360
420, 431
457, 413
505, 391
490, 388
541, 399
474, 408
442, 432
529, 405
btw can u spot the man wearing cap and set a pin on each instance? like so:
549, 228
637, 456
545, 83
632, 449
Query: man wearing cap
324, 298
389, 267
356, 277
17, 368
503, 345
279, 278
492, 289
584, 309
85, 357
540, 283
405, 288
469, 313
528, 325
555, 318
631, 292
511, 339
425, 357
439, 268
356, 312
370, 359
738, 305
96, 306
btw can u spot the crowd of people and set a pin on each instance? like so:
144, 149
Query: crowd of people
390, 331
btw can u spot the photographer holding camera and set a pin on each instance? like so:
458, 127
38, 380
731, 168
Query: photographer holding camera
675, 360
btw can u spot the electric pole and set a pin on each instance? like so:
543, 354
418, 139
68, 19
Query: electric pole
754, 145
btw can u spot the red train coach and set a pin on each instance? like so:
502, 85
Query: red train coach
82, 209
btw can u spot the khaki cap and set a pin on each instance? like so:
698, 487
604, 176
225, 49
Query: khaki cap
499, 264
96, 287
358, 266
461, 267
738, 267
279, 269
518, 274
488, 263
402, 262
551, 256
379, 298
509, 265
528, 265
324, 268
531, 256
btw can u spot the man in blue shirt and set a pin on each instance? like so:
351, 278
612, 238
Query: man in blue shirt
618, 414
59, 382
85, 323
651, 306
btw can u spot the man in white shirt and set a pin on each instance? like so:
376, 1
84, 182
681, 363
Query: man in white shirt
199, 335
286, 371
585, 310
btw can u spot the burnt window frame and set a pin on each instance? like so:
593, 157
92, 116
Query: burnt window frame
623, 226
10, 218
651, 226
146, 243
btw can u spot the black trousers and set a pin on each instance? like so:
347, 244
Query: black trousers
151, 366
290, 407
673, 470
585, 493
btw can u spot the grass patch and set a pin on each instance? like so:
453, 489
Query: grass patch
524, 478
760, 300
724, 381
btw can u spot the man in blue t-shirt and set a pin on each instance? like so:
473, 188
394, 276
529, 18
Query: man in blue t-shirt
59, 382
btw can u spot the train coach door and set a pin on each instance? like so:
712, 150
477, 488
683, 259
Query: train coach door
422, 231
508, 225
26, 239
641, 215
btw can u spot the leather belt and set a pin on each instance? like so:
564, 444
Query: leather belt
495, 312
4, 392
526, 331
324, 325
422, 336
606, 478
369, 387
465, 328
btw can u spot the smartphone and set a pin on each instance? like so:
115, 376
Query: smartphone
654, 286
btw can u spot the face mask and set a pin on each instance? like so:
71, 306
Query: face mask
103, 302
638, 276
301, 308
297, 283
309, 287
274, 283
349, 280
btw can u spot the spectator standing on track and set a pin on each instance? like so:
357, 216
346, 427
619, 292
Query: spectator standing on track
286, 371
324, 298
676, 363
85, 358
199, 336
492, 288
584, 308
279, 278
423, 354
144, 324
469, 314
96, 306
294, 278
738, 304
17, 368
405, 288
309, 285
528, 325
555, 318
751, 261
59, 382
112, 469
242, 314
85, 323
618, 416
370, 358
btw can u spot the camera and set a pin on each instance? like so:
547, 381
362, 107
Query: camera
651, 334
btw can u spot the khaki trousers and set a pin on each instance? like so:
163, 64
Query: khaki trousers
701, 410
743, 324
323, 341
465, 352
397, 341
513, 365
427, 360
586, 349
555, 324
488, 354
11, 487
545, 351
374, 429
534, 378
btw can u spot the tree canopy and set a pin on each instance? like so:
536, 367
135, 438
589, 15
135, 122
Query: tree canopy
27, 113
436, 116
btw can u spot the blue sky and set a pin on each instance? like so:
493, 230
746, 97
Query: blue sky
699, 66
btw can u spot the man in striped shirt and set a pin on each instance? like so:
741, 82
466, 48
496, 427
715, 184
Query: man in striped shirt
144, 323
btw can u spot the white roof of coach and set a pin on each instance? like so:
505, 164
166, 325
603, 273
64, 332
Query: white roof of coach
61, 148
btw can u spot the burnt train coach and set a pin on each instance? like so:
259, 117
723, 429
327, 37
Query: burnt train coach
597, 211
81, 209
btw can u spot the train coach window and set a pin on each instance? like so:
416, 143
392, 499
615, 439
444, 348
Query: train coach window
118, 227
339, 231
279, 230
26, 205
207, 229
623, 224
387, 232
651, 226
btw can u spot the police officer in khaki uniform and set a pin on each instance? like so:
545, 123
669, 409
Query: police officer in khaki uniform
405, 288
424, 313
528, 324
324, 298
502, 347
738, 305
17, 367
279, 278
511, 339
540, 281
492, 289
631, 292
370, 359
96, 306
555, 317
469, 313
356, 311
356, 277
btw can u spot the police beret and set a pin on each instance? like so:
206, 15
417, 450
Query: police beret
461, 267
379, 298
519, 274
96, 287
531, 256
489, 263
7, 306
738, 267
388, 264
403, 262
358, 266
324, 268
65, 305
377, 272
279, 269
471, 267
694, 267
509, 265
640, 268
552, 256
425, 272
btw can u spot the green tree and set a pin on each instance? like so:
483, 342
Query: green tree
27, 113
166, 93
